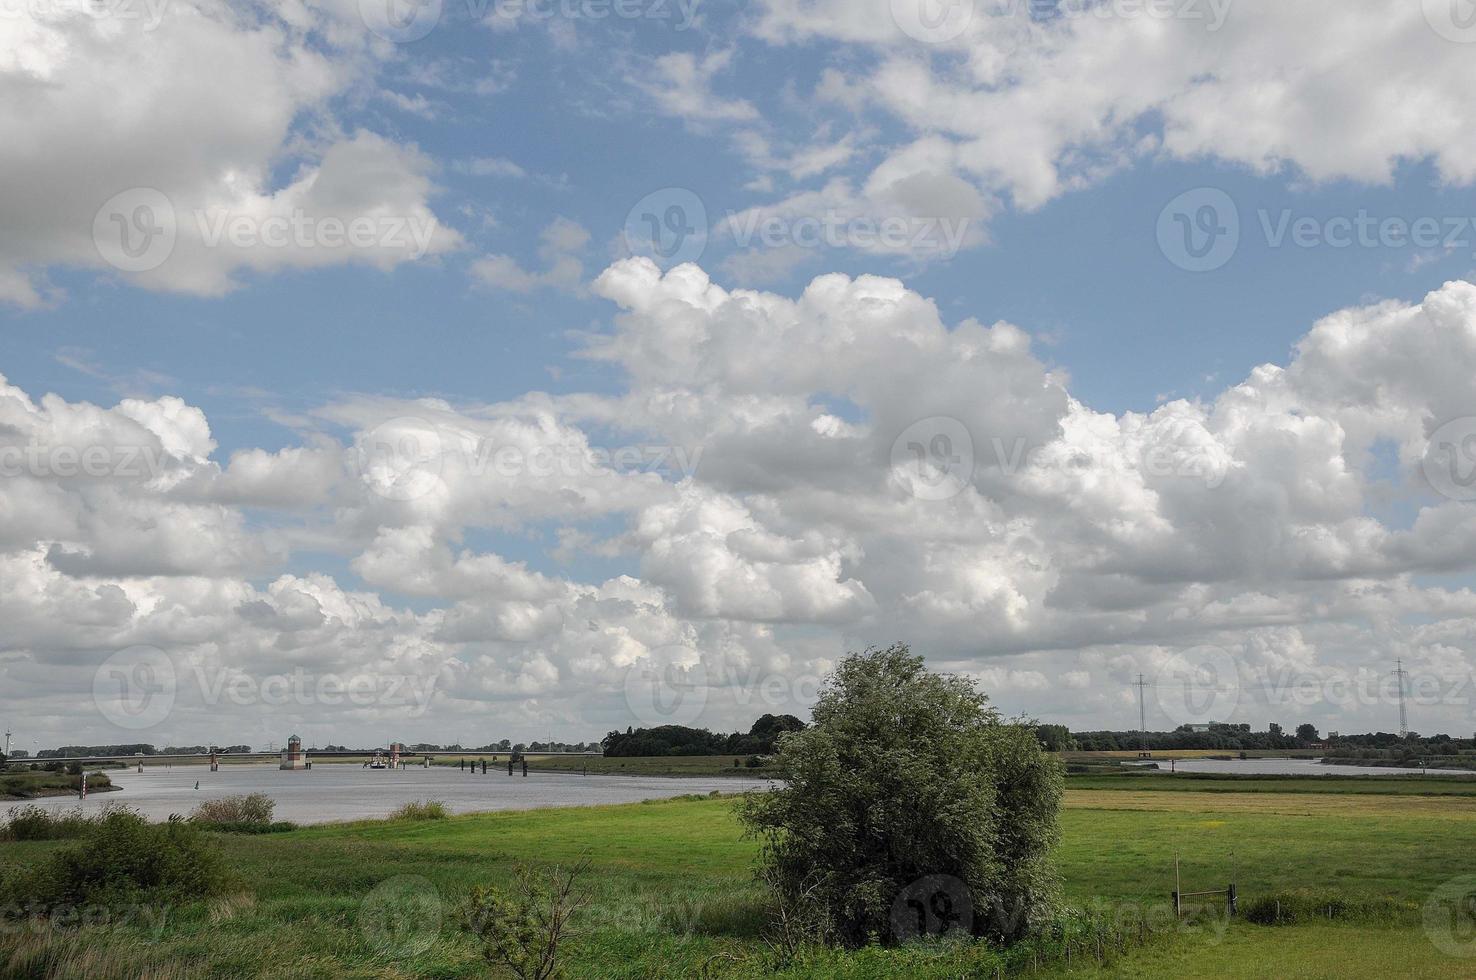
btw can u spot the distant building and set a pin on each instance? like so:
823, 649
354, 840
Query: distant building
1207, 726
292, 757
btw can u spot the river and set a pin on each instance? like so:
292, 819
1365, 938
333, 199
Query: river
332, 792
1292, 767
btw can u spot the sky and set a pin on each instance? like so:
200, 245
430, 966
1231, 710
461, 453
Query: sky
457, 370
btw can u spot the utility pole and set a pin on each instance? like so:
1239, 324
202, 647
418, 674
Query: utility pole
1401, 673
1142, 716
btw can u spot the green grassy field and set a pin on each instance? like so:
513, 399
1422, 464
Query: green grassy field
672, 894
1441, 785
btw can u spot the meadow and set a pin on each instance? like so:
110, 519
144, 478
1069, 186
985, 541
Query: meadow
671, 892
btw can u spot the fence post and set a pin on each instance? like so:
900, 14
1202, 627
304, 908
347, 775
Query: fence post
1178, 911
1230, 892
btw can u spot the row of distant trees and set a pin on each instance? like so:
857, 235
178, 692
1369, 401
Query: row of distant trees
140, 748
680, 740
1219, 736
1368, 745
144, 748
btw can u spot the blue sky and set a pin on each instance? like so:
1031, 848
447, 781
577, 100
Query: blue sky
1057, 143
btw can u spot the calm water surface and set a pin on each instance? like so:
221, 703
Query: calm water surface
330, 792
1289, 767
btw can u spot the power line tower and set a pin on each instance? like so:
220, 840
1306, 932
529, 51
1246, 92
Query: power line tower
1142, 715
1400, 673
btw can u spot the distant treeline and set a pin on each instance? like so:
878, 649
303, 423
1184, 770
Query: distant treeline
678, 740
1370, 745
141, 748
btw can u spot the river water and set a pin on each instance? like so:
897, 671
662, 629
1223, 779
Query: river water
330, 792
1290, 767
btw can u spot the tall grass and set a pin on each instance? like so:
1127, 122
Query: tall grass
421, 810
1298, 907
31, 822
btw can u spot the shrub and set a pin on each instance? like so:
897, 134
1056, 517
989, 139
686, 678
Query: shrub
421, 810
252, 808
521, 931
34, 823
908, 779
123, 859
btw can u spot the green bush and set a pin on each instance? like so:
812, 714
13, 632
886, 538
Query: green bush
123, 859
252, 808
908, 779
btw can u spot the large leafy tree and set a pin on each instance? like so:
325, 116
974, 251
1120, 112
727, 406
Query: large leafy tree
909, 776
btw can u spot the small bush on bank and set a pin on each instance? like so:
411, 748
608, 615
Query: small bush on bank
122, 859
252, 808
421, 810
